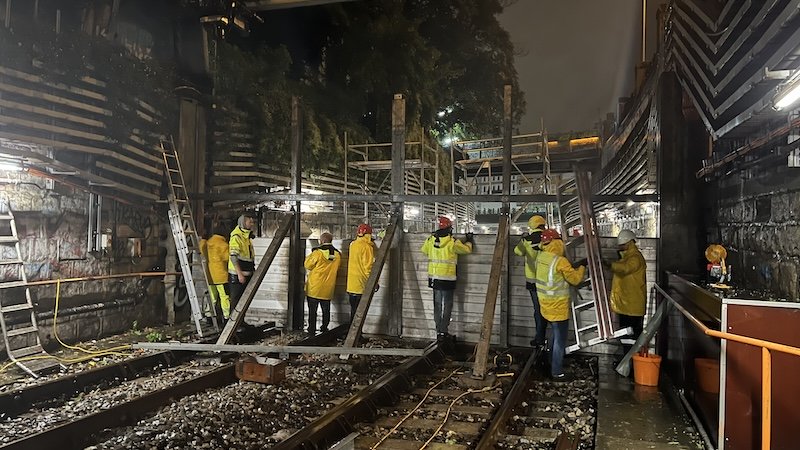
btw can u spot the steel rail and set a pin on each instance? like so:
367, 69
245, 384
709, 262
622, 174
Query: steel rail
340, 421
498, 423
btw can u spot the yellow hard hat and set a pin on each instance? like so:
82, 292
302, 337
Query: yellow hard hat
716, 253
536, 221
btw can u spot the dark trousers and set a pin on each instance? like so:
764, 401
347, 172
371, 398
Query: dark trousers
354, 300
312, 314
635, 322
538, 319
560, 329
236, 288
442, 309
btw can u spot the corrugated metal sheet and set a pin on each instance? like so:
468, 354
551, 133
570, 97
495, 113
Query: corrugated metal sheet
473, 272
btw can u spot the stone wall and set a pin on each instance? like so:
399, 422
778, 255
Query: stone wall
52, 224
754, 215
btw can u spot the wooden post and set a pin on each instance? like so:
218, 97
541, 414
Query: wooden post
398, 183
237, 315
295, 311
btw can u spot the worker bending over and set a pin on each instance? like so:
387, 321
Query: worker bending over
528, 247
322, 265
629, 287
442, 250
554, 274
359, 265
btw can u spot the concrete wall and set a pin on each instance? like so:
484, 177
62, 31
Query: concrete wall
516, 324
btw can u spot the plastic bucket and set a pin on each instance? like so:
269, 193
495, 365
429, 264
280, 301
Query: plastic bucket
707, 371
645, 369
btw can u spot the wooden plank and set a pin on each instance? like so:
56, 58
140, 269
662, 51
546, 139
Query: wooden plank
462, 428
51, 113
52, 128
357, 324
54, 99
482, 351
465, 409
127, 174
237, 315
368, 442
56, 85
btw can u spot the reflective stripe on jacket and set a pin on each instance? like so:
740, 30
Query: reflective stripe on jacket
359, 263
217, 256
629, 284
529, 248
322, 265
442, 253
554, 274
241, 246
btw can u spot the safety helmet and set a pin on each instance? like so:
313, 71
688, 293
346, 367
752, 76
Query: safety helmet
536, 221
715, 253
364, 229
549, 234
625, 236
445, 223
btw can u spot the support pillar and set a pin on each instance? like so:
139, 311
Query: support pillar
295, 313
395, 303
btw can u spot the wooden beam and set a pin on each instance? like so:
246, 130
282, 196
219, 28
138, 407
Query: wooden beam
237, 315
357, 324
188, 346
482, 351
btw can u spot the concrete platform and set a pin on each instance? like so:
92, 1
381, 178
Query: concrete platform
633, 417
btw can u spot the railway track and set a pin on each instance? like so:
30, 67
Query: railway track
424, 404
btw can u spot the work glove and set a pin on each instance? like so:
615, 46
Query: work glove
526, 235
470, 238
581, 262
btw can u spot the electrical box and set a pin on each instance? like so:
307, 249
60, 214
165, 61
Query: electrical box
261, 369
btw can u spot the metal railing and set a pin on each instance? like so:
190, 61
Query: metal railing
766, 364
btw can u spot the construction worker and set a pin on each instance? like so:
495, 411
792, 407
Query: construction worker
554, 274
322, 265
442, 251
629, 287
359, 265
528, 247
217, 256
241, 263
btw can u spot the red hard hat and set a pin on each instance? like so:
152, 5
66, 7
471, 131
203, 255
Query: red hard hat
364, 229
549, 234
445, 222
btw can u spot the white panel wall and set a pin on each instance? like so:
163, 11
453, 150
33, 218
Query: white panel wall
417, 321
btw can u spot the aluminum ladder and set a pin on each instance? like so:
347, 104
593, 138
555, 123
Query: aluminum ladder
187, 242
16, 304
591, 312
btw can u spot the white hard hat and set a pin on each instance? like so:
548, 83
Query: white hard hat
625, 236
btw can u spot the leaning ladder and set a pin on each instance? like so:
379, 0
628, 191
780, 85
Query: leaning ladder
592, 320
16, 304
181, 221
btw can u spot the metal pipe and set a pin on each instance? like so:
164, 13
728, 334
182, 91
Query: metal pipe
697, 424
766, 399
67, 312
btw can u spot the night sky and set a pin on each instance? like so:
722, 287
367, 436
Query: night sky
575, 57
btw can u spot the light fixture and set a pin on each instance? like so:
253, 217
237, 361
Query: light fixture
788, 95
10, 166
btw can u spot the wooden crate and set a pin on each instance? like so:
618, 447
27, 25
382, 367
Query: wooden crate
261, 370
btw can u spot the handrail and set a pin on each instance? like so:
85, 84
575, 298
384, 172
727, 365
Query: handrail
766, 363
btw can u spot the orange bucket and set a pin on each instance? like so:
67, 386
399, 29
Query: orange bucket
645, 369
707, 371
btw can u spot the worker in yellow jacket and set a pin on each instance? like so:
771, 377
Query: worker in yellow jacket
359, 265
322, 265
442, 250
629, 287
528, 247
217, 257
554, 274
241, 262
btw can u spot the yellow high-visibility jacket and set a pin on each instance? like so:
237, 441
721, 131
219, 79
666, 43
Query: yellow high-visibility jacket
529, 248
442, 253
217, 257
322, 264
359, 263
241, 247
629, 284
554, 274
